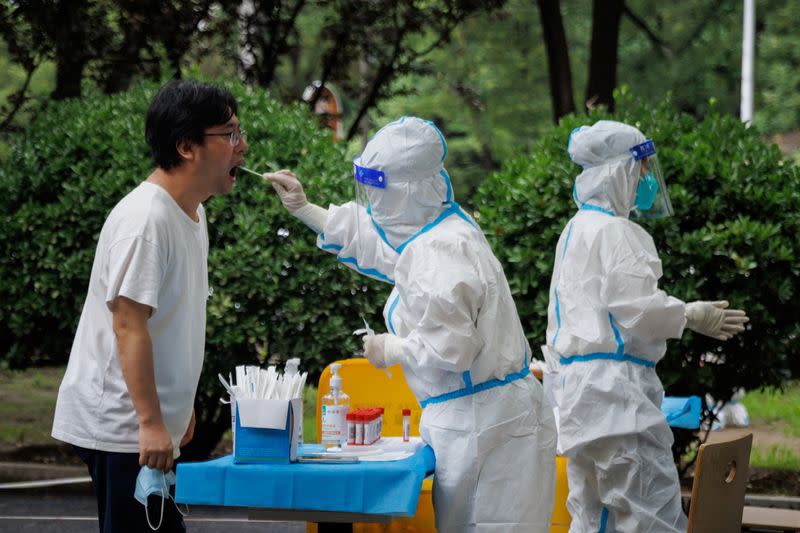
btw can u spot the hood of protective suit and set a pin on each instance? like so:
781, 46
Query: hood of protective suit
410, 152
610, 173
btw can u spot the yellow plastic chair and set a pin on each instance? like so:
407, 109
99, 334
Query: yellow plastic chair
368, 386
561, 518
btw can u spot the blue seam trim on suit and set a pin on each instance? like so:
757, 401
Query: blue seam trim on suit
396, 122
443, 173
607, 356
368, 271
589, 207
555, 289
467, 380
389, 314
441, 137
480, 387
461, 214
454, 209
558, 317
352, 260
382, 234
525, 357
569, 141
566, 243
617, 336
603, 520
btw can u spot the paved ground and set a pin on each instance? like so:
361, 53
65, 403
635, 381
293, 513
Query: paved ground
764, 436
75, 512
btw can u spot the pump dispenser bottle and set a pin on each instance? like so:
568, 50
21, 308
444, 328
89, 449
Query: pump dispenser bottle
335, 405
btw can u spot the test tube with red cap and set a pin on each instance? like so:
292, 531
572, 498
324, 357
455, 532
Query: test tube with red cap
351, 428
406, 424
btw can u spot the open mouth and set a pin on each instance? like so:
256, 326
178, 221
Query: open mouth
232, 172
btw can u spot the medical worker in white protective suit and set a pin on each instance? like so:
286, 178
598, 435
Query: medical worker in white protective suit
607, 328
453, 328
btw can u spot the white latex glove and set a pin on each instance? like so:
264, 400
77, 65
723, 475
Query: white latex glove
383, 350
289, 189
714, 319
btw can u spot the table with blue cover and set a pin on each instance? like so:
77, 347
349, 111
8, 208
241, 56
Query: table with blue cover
360, 492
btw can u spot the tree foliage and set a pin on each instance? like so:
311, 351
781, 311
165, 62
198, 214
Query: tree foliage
119, 42
489, 87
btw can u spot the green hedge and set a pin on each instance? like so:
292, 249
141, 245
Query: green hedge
734, 236
274, 296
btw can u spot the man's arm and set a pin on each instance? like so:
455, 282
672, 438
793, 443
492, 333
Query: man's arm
136, 361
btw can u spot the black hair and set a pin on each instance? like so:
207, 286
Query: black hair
180, 112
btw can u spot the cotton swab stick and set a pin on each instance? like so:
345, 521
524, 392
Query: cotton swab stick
253, 172
274, 167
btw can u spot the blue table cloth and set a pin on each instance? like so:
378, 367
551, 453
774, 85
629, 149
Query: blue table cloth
387, 488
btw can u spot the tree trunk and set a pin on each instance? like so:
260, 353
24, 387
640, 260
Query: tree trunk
555, 40
71, 48
606, 15
126, 60
384, 75
69, 73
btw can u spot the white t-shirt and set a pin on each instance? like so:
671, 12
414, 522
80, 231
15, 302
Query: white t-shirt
153, 253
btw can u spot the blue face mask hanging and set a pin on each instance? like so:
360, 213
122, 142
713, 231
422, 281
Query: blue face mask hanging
646, 192
152, 482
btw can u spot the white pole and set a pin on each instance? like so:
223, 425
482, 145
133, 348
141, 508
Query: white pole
748, 58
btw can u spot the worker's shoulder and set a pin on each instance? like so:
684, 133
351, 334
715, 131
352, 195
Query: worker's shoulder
452, 234
608, 231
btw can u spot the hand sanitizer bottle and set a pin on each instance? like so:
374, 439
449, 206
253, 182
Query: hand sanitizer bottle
335, 405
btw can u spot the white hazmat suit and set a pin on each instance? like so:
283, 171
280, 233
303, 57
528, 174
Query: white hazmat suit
607, 328
455, 331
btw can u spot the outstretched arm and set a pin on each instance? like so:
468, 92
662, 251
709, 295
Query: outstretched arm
293, 198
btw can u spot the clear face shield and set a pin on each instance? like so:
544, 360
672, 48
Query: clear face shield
652, 198
367, 182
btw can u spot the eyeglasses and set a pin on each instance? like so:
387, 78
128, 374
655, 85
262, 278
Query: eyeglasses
233, 136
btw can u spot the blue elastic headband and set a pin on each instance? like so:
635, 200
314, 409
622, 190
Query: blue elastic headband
369, 176
640, 151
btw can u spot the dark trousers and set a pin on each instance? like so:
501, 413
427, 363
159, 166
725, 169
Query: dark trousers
114, 481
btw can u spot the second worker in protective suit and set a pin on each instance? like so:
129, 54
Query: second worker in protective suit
453, 328
608, 323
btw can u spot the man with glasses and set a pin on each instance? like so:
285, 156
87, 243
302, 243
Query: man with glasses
127, 397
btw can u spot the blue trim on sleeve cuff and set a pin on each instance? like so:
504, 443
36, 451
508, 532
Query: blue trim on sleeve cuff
390, 313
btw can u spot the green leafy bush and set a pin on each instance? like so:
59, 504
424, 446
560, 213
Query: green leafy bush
274, 294
734, 236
